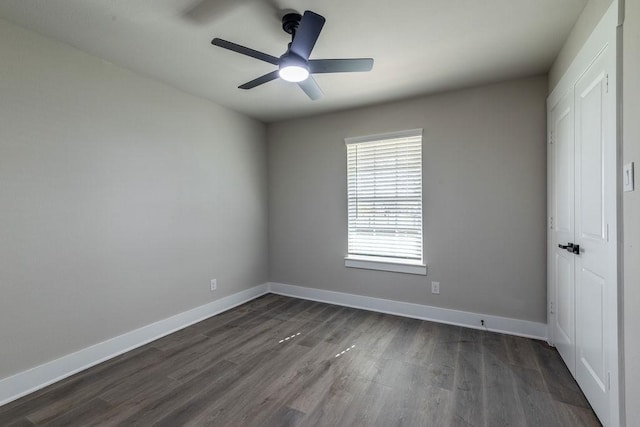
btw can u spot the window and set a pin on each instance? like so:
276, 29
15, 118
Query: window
384, 194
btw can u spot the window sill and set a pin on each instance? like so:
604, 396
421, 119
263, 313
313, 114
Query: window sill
370, 263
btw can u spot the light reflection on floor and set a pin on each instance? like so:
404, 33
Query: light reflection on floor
344, 351
288, 338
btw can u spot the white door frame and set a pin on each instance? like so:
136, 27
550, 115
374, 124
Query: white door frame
604, 34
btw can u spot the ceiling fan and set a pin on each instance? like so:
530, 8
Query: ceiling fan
294, 65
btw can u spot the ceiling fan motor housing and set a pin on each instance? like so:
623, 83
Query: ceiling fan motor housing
290, 22
290, 58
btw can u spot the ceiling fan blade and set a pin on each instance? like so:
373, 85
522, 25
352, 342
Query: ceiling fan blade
260, 80
307, 34
311, 88
340, 65
245, 51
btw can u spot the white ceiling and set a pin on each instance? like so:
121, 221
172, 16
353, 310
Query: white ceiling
419, 46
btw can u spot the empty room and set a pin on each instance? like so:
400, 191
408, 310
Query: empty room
296, 213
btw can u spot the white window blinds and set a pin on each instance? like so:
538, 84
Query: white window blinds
384, 175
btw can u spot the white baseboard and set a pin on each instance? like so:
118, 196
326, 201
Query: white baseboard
505, 325
23, 383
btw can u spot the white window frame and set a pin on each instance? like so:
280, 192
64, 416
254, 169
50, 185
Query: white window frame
393, 264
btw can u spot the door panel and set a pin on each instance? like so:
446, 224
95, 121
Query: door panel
563, 323
564, 154
565, 297
591, 137
595, 185
591, 354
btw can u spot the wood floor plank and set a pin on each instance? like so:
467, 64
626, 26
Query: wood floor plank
520, 352
537, 403
468, 393
332, 389
80, 415
207, 354
435, 406
367, 404
327, 373
81, 388
255, 376
281, 417
280, 361
179, 397
330, 409
298, 309
310, 372
422, 348
40, 398
403, 339
317, 334
378, 335
556, 374
268, 336
502, 403
137, 389
202, 399
310, 376
414, 400
576, 416
179, 340
442, 363
21, 422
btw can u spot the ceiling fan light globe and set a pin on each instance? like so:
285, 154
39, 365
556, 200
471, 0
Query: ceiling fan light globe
294, 73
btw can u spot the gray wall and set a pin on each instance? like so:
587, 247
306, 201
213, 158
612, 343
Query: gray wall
484, 200
589, 18
120, 198
631, 208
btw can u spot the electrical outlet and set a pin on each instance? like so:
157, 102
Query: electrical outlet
214, 284
435, 287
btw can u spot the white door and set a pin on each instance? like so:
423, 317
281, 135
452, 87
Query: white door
563, 228
583, 209
595, 199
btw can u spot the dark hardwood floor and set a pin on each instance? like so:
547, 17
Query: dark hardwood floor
279, 361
